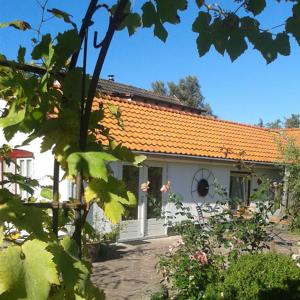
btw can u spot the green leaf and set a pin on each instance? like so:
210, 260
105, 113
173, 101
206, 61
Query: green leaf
33, 271
21, 25
219, 35
111, 196
256, 6
39, 270
204, 43
21, 55
266, 46
132, 22
124, 154
293, 26
68, 42
11, 282
199, 3
160, 31
25, 183
283, 44
92, 164
250, 28
15, 116
13, 210
149, 16
62, 15
41, 50
236, 45
46, 193
201, 24
168, 10
296, 9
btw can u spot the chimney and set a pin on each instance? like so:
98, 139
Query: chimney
111, 77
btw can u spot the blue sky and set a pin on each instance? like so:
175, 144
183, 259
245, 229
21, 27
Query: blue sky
243, 91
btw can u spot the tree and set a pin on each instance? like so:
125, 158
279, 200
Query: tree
43, 265
187, 90
274, 125
159, 88
293, 121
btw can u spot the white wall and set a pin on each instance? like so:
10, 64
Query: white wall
181, 173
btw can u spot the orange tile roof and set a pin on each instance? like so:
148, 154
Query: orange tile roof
153, 128
293, 133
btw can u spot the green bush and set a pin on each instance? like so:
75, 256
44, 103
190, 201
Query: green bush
261, 276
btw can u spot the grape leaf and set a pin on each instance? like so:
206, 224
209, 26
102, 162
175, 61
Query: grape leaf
266, 46
124, 154
168, 10
92, 164
293, 26
111, 196
236, 45
41, 50
283, 44
14, 116
201, 23
62, 15
33, 271
131, 22
21, 25
160, 31
149, 16
256, 6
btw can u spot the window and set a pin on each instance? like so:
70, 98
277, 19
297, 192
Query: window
240, 184
131, 180
154, 203
25, 169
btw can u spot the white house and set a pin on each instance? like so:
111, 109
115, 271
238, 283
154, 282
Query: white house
184, 146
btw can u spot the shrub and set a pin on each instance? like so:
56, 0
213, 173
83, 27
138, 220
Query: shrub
261, 276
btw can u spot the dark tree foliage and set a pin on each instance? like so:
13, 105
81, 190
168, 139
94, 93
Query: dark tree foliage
187, 90
291, 122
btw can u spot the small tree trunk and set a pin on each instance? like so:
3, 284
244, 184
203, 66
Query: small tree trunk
55, 197
285, 194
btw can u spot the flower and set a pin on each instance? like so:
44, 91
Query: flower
202, 258
145, 186
295, 256
165, 188
56, 84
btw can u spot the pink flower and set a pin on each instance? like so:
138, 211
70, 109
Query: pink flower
145, 186
165, 188
201, 257
192, 257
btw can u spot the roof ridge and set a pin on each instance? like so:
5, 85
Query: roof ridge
290, 129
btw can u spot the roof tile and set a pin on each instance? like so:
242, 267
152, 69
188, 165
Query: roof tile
152, 128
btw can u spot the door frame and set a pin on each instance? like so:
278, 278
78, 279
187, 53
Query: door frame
144, 199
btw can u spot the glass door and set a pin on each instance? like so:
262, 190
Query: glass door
131, 227
154, 222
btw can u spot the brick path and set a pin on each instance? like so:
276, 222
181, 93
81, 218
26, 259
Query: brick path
127, 271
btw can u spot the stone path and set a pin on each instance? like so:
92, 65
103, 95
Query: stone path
127, 270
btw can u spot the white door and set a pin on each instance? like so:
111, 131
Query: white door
154, 203
144, 220
131, 225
